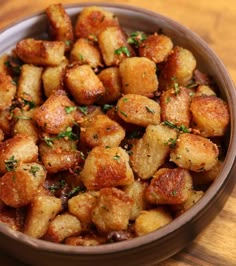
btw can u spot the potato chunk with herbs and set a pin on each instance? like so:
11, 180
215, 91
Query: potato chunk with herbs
7, 91
156, 47
18, 186
52, 117
150, 152
85, 52
194, 152
20, 148
111, 80
112, 211
92, 20
83, 84
178, 68
114, 47
60, 25
138, 76
62, 226
101, 130
39, 52
169, 186
175, 105
151, 220
106, 167
210, 115
42, 210
139, 110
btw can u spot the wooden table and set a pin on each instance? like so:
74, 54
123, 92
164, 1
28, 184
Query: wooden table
215, 22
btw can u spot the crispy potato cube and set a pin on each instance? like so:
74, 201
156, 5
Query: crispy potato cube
112, 211
156, 47
52, 117
39, 52
83, 84
60, 25
106, 167
138, 75
136, 192
42, 210
177, 69
204, 90
194, 197
101, 130
5, 122
24, 123
139, 110
92, 20
194, 152
3, 67
210, 115
7, 91
59, 156
175, 105
53, 78
111, 80
145, 160
151, 220
85, 52
169, 186
20, 149
18, 187
81, 205
63, 226
29, 85
114, 47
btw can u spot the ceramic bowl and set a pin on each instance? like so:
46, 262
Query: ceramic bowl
167, 241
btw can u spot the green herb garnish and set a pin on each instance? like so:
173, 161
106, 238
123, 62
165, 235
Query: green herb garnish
122, 50
83, 109
70, 109
11, 164
136, 38
181, 128
150, 110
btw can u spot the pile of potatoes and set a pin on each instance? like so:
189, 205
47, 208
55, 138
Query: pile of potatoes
105, 135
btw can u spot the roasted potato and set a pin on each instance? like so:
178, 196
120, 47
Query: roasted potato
7, 91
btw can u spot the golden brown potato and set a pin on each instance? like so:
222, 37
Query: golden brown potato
29, 85
138, 75
16, 150
60, 26
178, 68
24, 123
136, 192
86, 241
39, 52
7, 91
5, 122
85, 52
59, 154
52, 117
112, 211
145, 160
151, 220
63, 226
210, 115
139, 110
101, 130
111, 80
83, 84
113, 45
169, 186
53, 77
106, 167
175, 105
81, 205
1, 135
204, 90
3, 67
194, 197
18, 186
194, 152
42, 210
92, 20
156, 47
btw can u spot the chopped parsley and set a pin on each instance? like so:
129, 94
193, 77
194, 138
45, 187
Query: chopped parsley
122, 50
181, 128
171, 143
70, 109
74, 191
11, 164
136, 38
149, 110
83, 109
123, 113
34, 169
116, 157
106, 107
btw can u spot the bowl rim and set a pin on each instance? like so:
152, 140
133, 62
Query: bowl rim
186, 217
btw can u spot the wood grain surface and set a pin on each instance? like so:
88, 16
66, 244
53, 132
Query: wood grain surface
215, 22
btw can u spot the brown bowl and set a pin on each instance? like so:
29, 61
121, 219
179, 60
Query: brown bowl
165, 242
